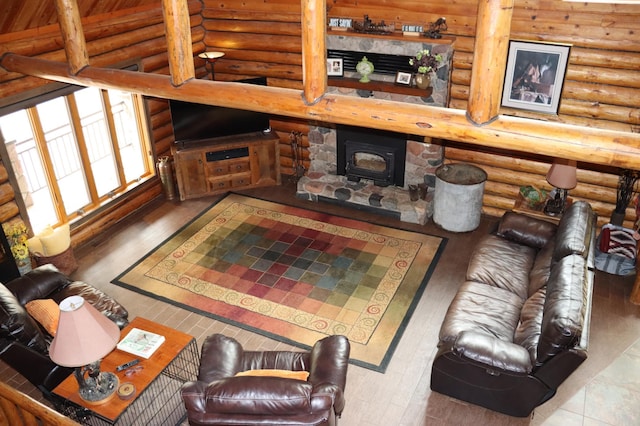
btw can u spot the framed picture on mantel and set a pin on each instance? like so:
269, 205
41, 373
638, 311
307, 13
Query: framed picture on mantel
535, 75
335, 67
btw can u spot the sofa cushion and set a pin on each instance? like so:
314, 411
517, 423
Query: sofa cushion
16, 324
46, 312
38, 283
527, 334
97, 298
484, 309
575, 231
273, 372
258, 396
502, 263
539, 274
563, 308
526, 230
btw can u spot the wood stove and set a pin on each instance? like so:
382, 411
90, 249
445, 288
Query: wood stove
371, 154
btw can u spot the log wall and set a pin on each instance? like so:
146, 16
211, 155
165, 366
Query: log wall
112, 38
264, 39
600, 90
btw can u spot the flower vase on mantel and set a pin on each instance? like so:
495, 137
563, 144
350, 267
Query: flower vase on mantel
423, 81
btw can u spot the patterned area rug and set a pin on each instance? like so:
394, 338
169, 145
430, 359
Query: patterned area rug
293, 275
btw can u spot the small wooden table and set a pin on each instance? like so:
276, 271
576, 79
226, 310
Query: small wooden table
521, 206
157, 399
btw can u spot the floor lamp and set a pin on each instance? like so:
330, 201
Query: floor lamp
211, 58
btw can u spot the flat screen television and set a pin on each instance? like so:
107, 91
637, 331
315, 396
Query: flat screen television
195, 122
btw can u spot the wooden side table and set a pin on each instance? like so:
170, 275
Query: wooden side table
157, 399
521, 206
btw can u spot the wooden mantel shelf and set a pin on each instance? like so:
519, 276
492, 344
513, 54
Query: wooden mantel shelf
379, 86
398, 35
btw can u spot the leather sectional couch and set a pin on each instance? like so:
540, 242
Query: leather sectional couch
519, 324
24, 344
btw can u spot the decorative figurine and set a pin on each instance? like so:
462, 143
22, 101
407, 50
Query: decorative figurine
435, 28
365, 68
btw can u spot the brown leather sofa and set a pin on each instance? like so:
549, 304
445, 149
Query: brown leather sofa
24, 344
219, 397
519, 324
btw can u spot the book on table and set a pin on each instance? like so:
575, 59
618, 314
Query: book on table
140, 342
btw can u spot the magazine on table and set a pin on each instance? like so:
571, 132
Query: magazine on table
141, 343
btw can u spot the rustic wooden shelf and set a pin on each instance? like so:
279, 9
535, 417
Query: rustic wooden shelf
397, 35
379, 86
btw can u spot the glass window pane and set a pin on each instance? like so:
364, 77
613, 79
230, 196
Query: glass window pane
131, 148
97, 139
27, 165
63, 150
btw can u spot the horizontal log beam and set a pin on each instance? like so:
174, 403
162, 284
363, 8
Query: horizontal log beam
519, 134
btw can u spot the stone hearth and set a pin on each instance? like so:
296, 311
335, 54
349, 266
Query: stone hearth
322, 182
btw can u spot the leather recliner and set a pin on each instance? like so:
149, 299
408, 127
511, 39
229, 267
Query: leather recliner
24, 344
219, 397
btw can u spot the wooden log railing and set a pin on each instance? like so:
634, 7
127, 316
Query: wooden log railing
18, 409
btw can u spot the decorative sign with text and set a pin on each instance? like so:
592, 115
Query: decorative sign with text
409, 29
340, 24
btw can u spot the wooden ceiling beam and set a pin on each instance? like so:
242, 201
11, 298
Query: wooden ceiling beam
591, 145
587, 144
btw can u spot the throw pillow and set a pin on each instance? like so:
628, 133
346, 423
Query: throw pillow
46, 312
286, 374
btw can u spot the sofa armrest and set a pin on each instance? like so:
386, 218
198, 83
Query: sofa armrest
34, 366
221, 357
326, 395
194, 396
329, 361
493, 353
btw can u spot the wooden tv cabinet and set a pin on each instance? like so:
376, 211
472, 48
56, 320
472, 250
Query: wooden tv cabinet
218, 165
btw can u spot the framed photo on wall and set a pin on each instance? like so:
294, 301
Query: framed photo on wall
535, 75
335, 67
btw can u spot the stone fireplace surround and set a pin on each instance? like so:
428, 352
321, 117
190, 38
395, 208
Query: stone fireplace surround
423, 158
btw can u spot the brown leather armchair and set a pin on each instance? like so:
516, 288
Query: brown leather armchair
219, 397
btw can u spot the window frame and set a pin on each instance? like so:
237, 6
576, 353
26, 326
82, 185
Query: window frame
29, 99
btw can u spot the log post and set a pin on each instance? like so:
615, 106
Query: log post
314, 50
489, 59
75, 45
178, 31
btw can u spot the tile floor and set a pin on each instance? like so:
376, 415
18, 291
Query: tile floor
605, 390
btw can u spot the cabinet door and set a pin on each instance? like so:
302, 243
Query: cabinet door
265, 164
190, 172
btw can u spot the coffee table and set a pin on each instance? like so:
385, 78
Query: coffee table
157, 400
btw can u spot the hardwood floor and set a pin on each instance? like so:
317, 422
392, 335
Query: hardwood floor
603, 391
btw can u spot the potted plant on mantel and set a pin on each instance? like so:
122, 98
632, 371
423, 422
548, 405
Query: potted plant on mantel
626, 188
424, 63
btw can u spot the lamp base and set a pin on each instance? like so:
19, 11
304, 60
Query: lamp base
100, 389
555, 206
